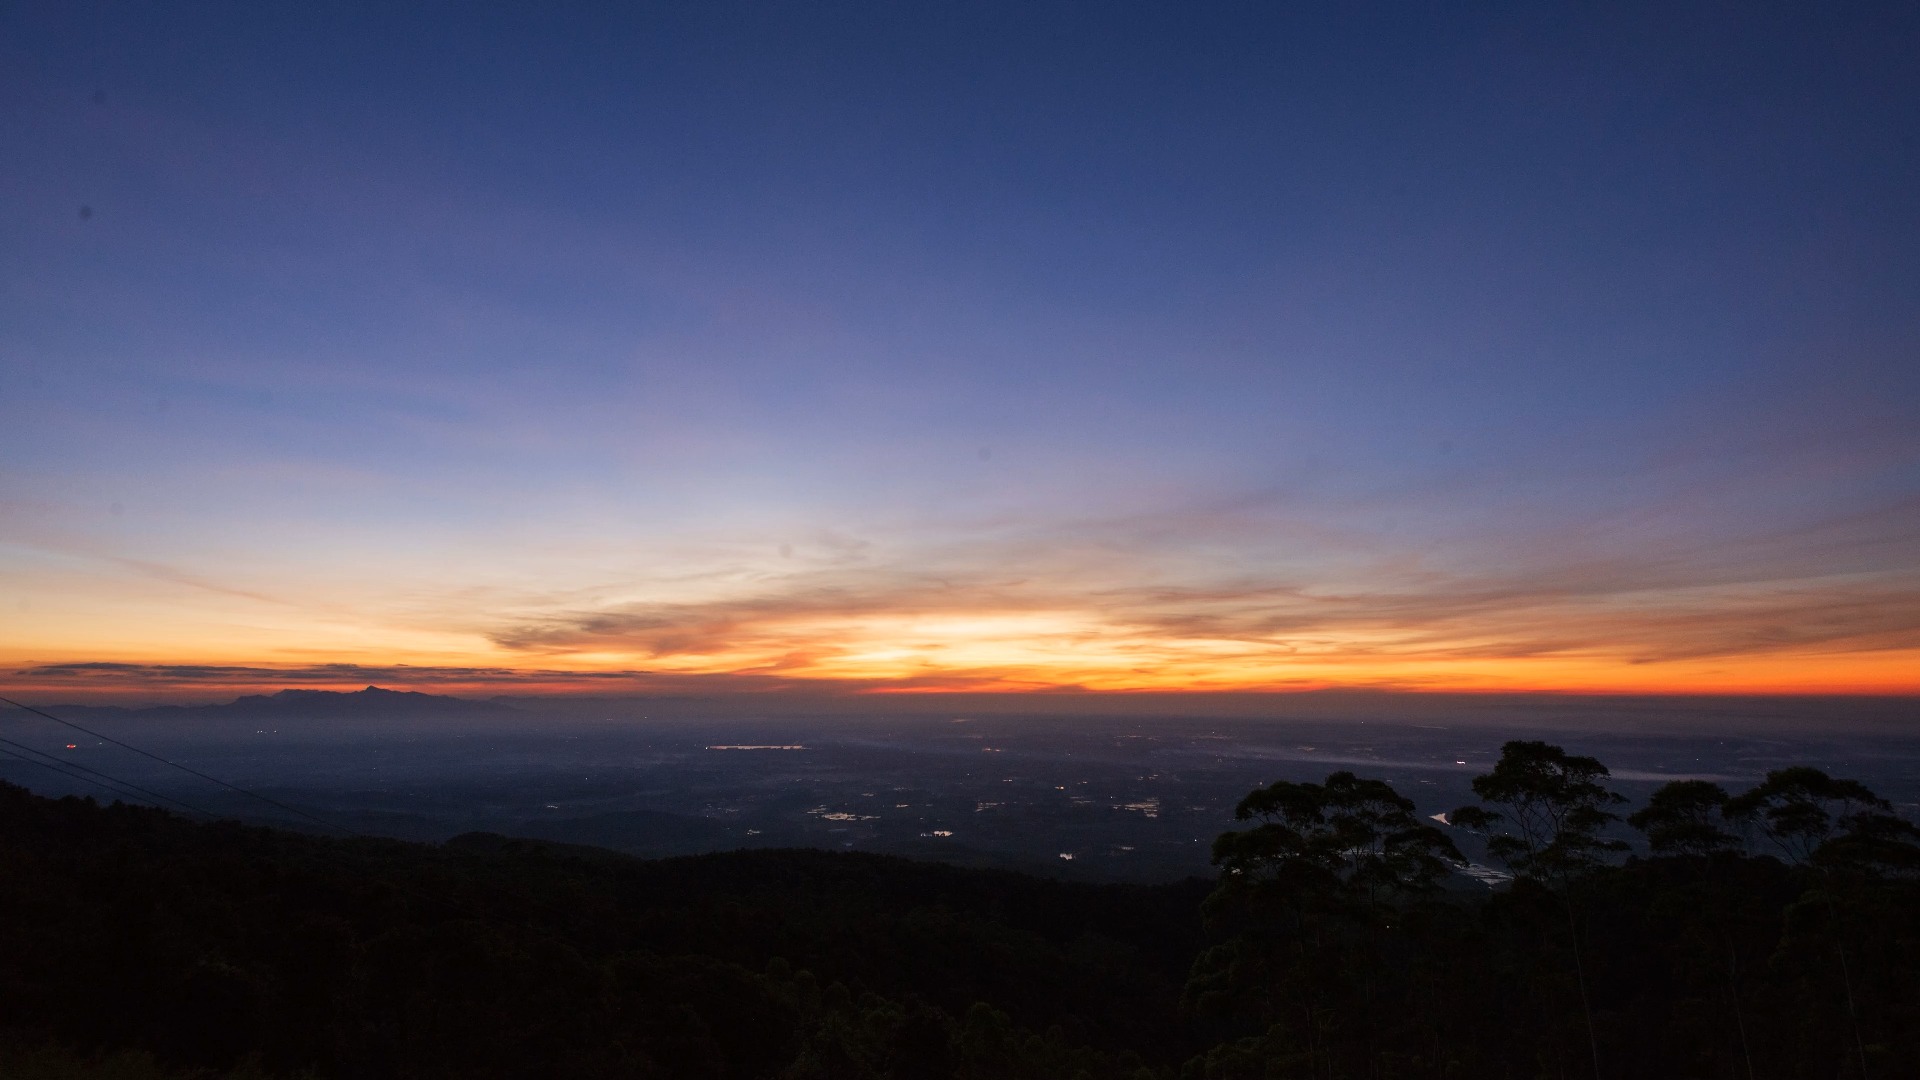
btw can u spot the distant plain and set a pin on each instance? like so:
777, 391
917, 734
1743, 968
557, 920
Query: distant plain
1086, 796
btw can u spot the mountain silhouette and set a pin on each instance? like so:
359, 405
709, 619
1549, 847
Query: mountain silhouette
296, 706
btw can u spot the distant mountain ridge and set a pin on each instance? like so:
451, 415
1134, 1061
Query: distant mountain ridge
303, 705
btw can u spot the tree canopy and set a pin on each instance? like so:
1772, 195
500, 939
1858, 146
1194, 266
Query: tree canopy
1770, 934
1345, 833
1552, 812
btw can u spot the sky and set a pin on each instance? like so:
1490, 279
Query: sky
988, 347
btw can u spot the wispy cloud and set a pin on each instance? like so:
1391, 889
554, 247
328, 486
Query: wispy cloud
1023, 607
1228, 594
250, 674
177, 576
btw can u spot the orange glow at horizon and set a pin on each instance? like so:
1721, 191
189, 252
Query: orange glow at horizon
1066, 626
1007, 653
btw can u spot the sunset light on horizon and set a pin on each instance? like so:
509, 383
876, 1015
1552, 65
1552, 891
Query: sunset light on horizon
860, 626
957, 349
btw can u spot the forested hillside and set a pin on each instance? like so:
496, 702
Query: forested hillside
1774, 933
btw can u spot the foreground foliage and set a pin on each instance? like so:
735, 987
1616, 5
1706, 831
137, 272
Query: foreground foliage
213, 945
1773, 933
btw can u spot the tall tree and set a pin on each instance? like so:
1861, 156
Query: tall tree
1844, 832
1552, 812
1347, 833
1685, 818
1307, 900
1553, 809
1801, 809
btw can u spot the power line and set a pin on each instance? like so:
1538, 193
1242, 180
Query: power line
105, 782
128, 785
60, 767
316, 819
50, 766
452, 903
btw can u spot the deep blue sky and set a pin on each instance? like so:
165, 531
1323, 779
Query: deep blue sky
1239, 344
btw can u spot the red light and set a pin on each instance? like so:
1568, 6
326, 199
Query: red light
73, 746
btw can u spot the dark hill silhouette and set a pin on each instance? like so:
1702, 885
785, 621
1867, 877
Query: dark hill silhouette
1322, 951
305, 706
125, 928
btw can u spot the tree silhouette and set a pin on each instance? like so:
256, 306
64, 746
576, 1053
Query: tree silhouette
1549, 830
1684, 818
1307, 897
1843, 831
1552, 812
1347, 833
215, 946
1800, 809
